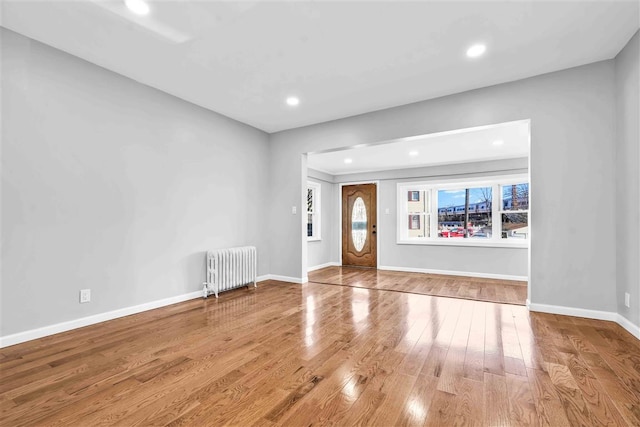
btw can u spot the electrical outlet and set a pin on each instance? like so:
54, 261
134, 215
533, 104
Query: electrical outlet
294, 210
85, 295
627, 299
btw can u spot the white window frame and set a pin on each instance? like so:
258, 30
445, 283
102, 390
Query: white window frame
432, 187
316, 211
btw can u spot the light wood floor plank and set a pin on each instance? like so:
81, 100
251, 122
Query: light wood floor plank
314, 354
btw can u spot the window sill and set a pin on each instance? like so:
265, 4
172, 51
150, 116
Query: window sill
314, 239
465, 243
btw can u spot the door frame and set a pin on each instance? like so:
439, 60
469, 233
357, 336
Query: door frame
377, 184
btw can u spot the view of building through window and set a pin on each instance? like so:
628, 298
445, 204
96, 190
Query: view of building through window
418, 214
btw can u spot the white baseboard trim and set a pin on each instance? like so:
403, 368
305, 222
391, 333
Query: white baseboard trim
325, 265
589, 314
33, 334
299, 280
262, 278
455, 273
571, 311
630, 327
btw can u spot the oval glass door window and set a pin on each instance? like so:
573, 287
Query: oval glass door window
359, 224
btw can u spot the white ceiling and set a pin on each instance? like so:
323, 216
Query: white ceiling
242, 58
462, 146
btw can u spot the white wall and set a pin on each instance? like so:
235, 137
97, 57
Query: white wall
114, 186
572, 164
627, 218
111, 185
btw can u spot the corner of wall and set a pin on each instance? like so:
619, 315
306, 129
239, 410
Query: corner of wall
627, 189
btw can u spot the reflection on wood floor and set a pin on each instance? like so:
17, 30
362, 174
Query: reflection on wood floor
298, 355
490, 290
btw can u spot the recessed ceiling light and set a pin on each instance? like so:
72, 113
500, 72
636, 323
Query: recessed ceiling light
293, 101
413, 153
347, 161
498, 142
476, 50
139, 7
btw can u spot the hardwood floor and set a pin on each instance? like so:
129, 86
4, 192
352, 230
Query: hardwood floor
298, 355
490, 290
